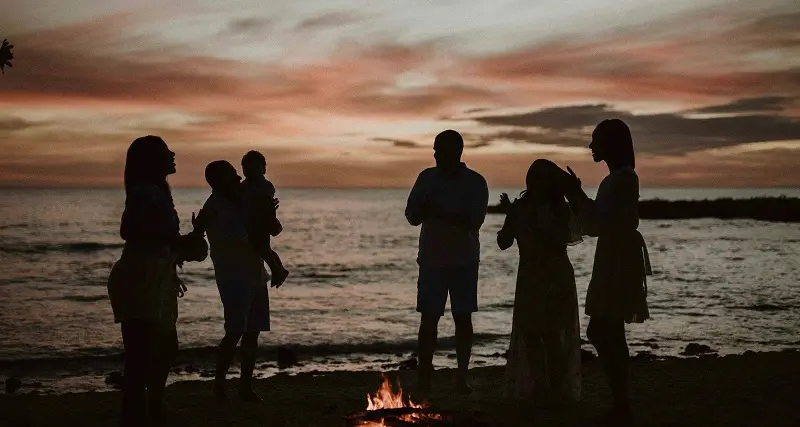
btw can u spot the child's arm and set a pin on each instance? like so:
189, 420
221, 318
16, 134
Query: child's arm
269, 210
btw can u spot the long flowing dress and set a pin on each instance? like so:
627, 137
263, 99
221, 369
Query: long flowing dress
545, 333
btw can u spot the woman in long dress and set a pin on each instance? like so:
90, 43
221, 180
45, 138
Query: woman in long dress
618, 288
544, 358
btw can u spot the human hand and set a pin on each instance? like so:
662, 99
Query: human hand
198, 222
505, 203
275, 203
571, 180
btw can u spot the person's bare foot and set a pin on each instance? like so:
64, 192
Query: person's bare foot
279, 277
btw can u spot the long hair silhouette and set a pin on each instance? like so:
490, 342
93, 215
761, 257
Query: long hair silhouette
618, 142
139, 163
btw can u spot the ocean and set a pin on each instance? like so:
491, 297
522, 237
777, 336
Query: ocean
349, 301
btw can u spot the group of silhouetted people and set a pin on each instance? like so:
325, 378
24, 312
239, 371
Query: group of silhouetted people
450, 202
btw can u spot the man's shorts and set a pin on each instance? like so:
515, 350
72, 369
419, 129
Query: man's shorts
435, 282
246, 308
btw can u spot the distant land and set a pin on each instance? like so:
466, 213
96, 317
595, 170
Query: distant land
777, 209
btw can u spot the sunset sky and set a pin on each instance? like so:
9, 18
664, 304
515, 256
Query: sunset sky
351, 93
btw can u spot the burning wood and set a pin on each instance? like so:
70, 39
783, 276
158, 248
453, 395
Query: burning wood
386, 398
387, 408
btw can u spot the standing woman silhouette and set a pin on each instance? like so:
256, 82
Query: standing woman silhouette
143, 285
617, 290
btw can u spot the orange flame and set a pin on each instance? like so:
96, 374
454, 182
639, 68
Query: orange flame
385, 398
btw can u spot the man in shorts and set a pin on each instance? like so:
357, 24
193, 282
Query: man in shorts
449, 201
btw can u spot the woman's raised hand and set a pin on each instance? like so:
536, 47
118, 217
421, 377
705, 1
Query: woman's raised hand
571, 180
505, 203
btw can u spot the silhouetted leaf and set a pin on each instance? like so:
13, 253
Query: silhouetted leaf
6, 56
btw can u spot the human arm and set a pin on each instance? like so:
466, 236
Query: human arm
417, 205
505, 237
275, 224
193, 247
616, 208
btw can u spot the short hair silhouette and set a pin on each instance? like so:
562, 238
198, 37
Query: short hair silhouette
253, 158
139, 162
617, 141
216, 170
450, 139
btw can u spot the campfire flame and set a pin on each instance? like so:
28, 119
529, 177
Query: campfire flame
385, 398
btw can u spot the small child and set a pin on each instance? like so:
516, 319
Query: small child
261, 210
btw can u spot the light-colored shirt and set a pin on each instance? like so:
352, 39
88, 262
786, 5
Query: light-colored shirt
236, 263
440, 242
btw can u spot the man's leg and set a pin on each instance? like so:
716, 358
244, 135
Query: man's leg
463, 323
427, 339
463, 286
227, 349
431, 300
248, 352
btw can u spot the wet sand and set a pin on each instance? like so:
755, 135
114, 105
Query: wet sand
754, 389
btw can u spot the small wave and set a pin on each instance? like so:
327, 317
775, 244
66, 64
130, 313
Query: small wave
688, 280
102, 356
84, 298
499, 305
76, 247
762, 307
315, 275
11, 226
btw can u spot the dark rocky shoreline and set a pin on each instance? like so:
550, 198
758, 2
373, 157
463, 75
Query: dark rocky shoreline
776, 209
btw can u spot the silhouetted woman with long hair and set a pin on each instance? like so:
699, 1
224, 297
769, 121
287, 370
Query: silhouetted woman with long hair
143, 286
544, 357
617, 290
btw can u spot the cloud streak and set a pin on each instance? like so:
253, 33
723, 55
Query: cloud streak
665, 133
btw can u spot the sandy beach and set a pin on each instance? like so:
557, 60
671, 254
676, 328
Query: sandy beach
753, 389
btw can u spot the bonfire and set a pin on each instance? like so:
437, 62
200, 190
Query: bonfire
391, 408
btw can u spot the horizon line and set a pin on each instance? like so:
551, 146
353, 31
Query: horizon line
290, 187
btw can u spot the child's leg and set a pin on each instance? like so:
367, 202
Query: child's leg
270, 258
279, 272
277, 260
